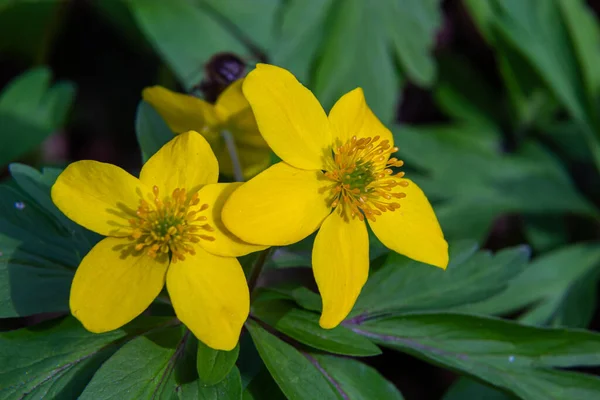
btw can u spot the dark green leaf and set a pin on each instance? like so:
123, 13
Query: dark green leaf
297, 377
249, 362
30, 110
214, 365
304, 326
253, 21
57, 359
355, 380
470, 276
151, 130
142, 368
39, 246
184, 35
302, 29
229, 388
368, 63
547, 280
515, 357
490, 183
465, 388
263, 387
412, 26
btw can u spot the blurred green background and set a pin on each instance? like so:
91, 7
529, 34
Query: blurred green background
493, 104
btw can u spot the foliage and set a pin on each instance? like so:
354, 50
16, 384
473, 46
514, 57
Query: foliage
510, 322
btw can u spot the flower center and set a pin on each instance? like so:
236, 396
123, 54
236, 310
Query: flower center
170, 225
364, 184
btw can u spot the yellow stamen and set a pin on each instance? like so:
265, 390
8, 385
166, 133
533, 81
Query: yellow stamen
364, 185
169, 226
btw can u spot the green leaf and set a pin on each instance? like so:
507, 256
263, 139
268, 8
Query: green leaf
36, 23
558, 40
464, 94
355, 380
303, 326
302, 29
263, 387
547, 281
38, 185
151, 130
184, 35
253, 21
465, 388
296, 376
412, 26
514, 357
39, 246
142, 368
30, 110
57, 359
478, 183
214, 365
366, 63
470, 276
229, 388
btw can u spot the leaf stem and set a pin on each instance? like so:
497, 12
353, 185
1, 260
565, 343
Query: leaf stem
257, 269
233, 154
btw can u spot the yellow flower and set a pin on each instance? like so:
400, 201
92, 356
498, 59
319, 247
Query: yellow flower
164, 226
336, 173
230, 113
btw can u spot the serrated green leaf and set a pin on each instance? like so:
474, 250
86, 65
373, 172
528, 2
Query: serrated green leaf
296, 376
184, 35
412, 26
367, 63
355, 380
142, 368
38, 186
229, 388
302, 29
214, 365
57, 359
491, 183
303, 326
506, 354
470, 276
151, 130
546, 280
255, 20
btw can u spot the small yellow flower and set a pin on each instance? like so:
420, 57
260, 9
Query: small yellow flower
163, 227
339, 163
231, 113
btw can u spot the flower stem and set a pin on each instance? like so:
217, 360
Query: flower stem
257, 269
233, 154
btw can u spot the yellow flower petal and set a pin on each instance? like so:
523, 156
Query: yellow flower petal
225, 243
413, 230
289, 116
186, 161
341, 266
114, 284
280, 206
245, 131
210, 296
101, 197
231, 101
183, 112
351, 116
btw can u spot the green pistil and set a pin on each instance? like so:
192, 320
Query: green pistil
360, 177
